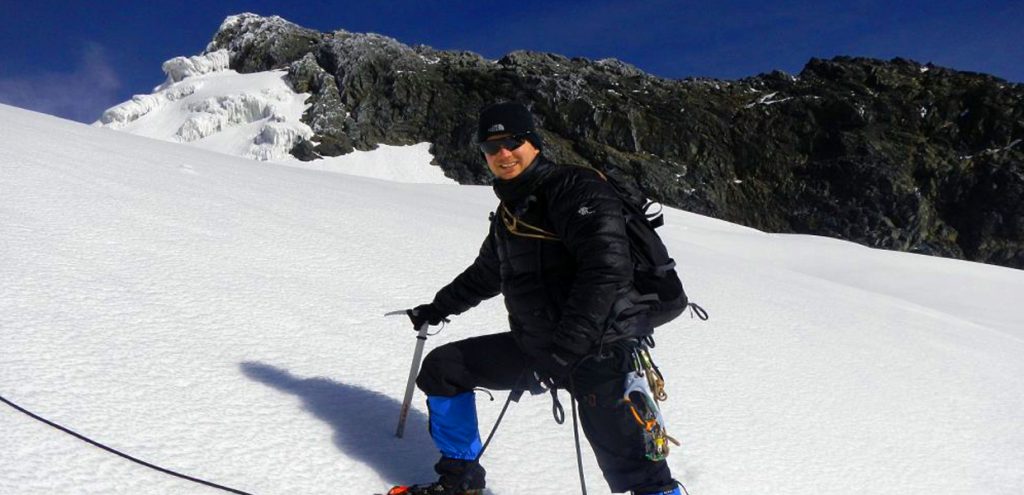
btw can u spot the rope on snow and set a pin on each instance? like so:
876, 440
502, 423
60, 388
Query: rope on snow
118, 453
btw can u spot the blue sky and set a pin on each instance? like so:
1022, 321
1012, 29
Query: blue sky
75, 58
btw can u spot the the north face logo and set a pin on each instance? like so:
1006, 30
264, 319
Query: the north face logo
496, 128
584, 211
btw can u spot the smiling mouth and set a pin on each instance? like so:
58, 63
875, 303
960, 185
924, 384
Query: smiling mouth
507, 165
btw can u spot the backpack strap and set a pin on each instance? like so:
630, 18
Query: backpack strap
658, 271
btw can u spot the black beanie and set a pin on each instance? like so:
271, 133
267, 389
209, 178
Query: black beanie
507, 118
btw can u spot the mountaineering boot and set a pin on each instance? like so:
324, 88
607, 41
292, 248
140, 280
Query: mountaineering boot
436, 488
453, 427
670, 491
458, 477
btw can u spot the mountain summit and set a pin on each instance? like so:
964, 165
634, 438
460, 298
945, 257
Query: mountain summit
891, 154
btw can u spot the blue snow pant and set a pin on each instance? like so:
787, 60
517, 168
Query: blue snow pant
451, 372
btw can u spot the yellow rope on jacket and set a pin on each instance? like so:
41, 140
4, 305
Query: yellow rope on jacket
520, 228
517, 226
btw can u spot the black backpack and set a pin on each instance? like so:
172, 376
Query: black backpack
654, 271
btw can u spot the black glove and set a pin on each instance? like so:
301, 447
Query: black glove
554, 368
425, 313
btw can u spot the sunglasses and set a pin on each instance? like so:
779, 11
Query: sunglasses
509, 143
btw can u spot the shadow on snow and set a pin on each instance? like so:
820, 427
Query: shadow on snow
363, 421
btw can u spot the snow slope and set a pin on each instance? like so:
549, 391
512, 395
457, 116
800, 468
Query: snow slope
225, 320
207, 105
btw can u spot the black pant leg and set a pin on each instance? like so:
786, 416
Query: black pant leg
490, 361
613, 433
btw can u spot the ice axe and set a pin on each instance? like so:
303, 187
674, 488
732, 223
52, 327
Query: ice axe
421, 338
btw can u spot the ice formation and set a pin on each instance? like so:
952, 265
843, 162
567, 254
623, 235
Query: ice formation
121, 115
206, 104
179, 68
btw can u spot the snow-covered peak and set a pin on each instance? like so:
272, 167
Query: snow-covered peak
225, 101
235, 20
246, 19
257, 116
241, 30
205, 104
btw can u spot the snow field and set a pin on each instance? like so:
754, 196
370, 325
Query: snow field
223, 317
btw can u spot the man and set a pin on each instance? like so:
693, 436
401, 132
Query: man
557, 250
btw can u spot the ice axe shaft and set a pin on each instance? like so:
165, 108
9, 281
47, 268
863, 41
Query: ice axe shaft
410, 386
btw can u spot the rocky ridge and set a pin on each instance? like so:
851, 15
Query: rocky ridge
891, 154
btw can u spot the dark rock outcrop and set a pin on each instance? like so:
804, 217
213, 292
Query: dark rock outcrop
891, 154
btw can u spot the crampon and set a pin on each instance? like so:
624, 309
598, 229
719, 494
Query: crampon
431, 489
644, 388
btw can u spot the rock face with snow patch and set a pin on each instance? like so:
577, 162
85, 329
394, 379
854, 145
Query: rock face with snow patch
891, 154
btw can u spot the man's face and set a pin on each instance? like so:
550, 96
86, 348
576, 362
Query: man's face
507, 164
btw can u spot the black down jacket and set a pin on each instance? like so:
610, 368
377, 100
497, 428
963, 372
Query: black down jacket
560, 293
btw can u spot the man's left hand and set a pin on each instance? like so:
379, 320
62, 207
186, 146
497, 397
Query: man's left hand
556, 367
